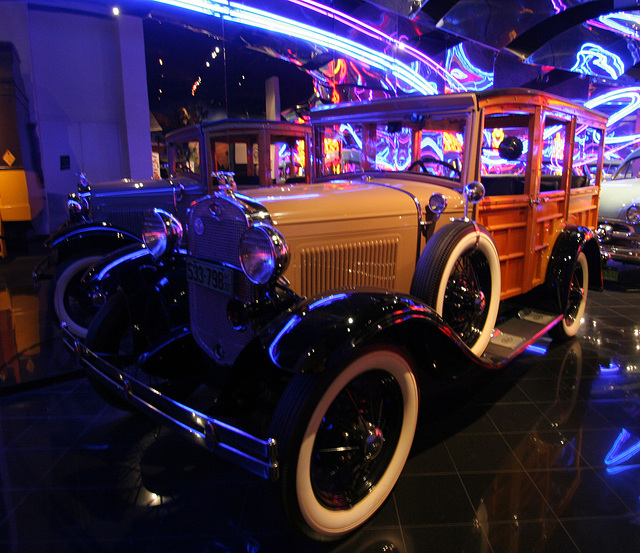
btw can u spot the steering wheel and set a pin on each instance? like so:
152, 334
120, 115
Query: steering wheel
420, 163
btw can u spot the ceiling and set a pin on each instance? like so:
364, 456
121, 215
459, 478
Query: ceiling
358, 49
565, 46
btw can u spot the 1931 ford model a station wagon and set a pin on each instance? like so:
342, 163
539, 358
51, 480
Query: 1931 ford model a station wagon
442, 233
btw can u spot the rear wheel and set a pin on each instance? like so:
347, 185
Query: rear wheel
576, 301
344, 438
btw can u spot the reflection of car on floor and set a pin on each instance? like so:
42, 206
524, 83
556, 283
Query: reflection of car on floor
540, 479
619, 215
465, 232
105, 216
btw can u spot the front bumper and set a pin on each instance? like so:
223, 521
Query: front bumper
251, 453
619, 241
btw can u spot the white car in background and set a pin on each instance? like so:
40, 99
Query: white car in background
619, 214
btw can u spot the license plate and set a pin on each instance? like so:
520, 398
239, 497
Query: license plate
209, 275
610, 274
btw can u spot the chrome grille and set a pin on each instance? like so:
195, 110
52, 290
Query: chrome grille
366, 263
214, 231
127, 219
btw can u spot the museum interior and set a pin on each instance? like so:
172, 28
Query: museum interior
116, 114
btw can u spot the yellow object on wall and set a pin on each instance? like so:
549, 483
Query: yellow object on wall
14, 196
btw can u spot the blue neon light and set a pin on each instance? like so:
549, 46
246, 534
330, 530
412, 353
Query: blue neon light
593, 59
617, 455
406, 73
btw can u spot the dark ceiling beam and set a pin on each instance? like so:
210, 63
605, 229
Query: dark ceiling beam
525, 44
436, 9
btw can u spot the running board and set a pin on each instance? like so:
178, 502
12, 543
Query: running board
512, 336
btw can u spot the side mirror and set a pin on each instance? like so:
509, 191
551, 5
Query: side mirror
510, 148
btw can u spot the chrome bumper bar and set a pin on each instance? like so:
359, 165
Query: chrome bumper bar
251, 453
622, 254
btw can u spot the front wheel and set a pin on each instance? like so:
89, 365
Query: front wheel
72, 302
343, 439
458, 274
576, 301
111, 336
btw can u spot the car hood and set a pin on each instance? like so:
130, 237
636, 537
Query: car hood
616, 196
138, 188
344, 199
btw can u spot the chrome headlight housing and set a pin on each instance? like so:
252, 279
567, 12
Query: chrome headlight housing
263, 253
78, 206
633, 214
161, 232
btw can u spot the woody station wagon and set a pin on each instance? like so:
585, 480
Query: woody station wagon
441, 234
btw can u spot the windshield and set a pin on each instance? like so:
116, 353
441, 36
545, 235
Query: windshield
630, 169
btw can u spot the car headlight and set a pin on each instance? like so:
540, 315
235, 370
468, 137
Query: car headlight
264, 255
78, 206
633, 214
161, 232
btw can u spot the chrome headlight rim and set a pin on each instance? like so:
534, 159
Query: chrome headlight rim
633, 214
263, 253
78, 205
161, 232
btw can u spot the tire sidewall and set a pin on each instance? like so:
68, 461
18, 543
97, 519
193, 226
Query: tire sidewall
570, 330
65, 275
324, 521
454, 241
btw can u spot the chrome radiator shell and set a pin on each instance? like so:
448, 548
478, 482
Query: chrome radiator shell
216, 224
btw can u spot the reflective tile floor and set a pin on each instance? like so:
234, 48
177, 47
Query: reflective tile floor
541, 457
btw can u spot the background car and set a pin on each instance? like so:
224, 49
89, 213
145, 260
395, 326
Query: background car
619, 215
106, 216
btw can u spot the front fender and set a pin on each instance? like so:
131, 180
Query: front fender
568, 245
120, 264
92, 236
320, 332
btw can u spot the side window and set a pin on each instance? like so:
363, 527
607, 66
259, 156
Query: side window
553, 154
505, 148
290, 157
238, 157
187, 158
585, 156
340, 149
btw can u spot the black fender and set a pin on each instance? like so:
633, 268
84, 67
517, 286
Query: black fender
89, 237
119, 265
571, 241
138, 273
323, 331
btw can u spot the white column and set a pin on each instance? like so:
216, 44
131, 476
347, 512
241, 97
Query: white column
135, 97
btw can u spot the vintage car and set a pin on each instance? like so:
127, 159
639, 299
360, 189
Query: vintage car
105, 216
441, 235
619, 214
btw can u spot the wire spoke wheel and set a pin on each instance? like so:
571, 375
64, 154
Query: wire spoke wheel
344, 437
356, 439
467, 295
458, 275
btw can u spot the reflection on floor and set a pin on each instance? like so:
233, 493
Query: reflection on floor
543, 456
